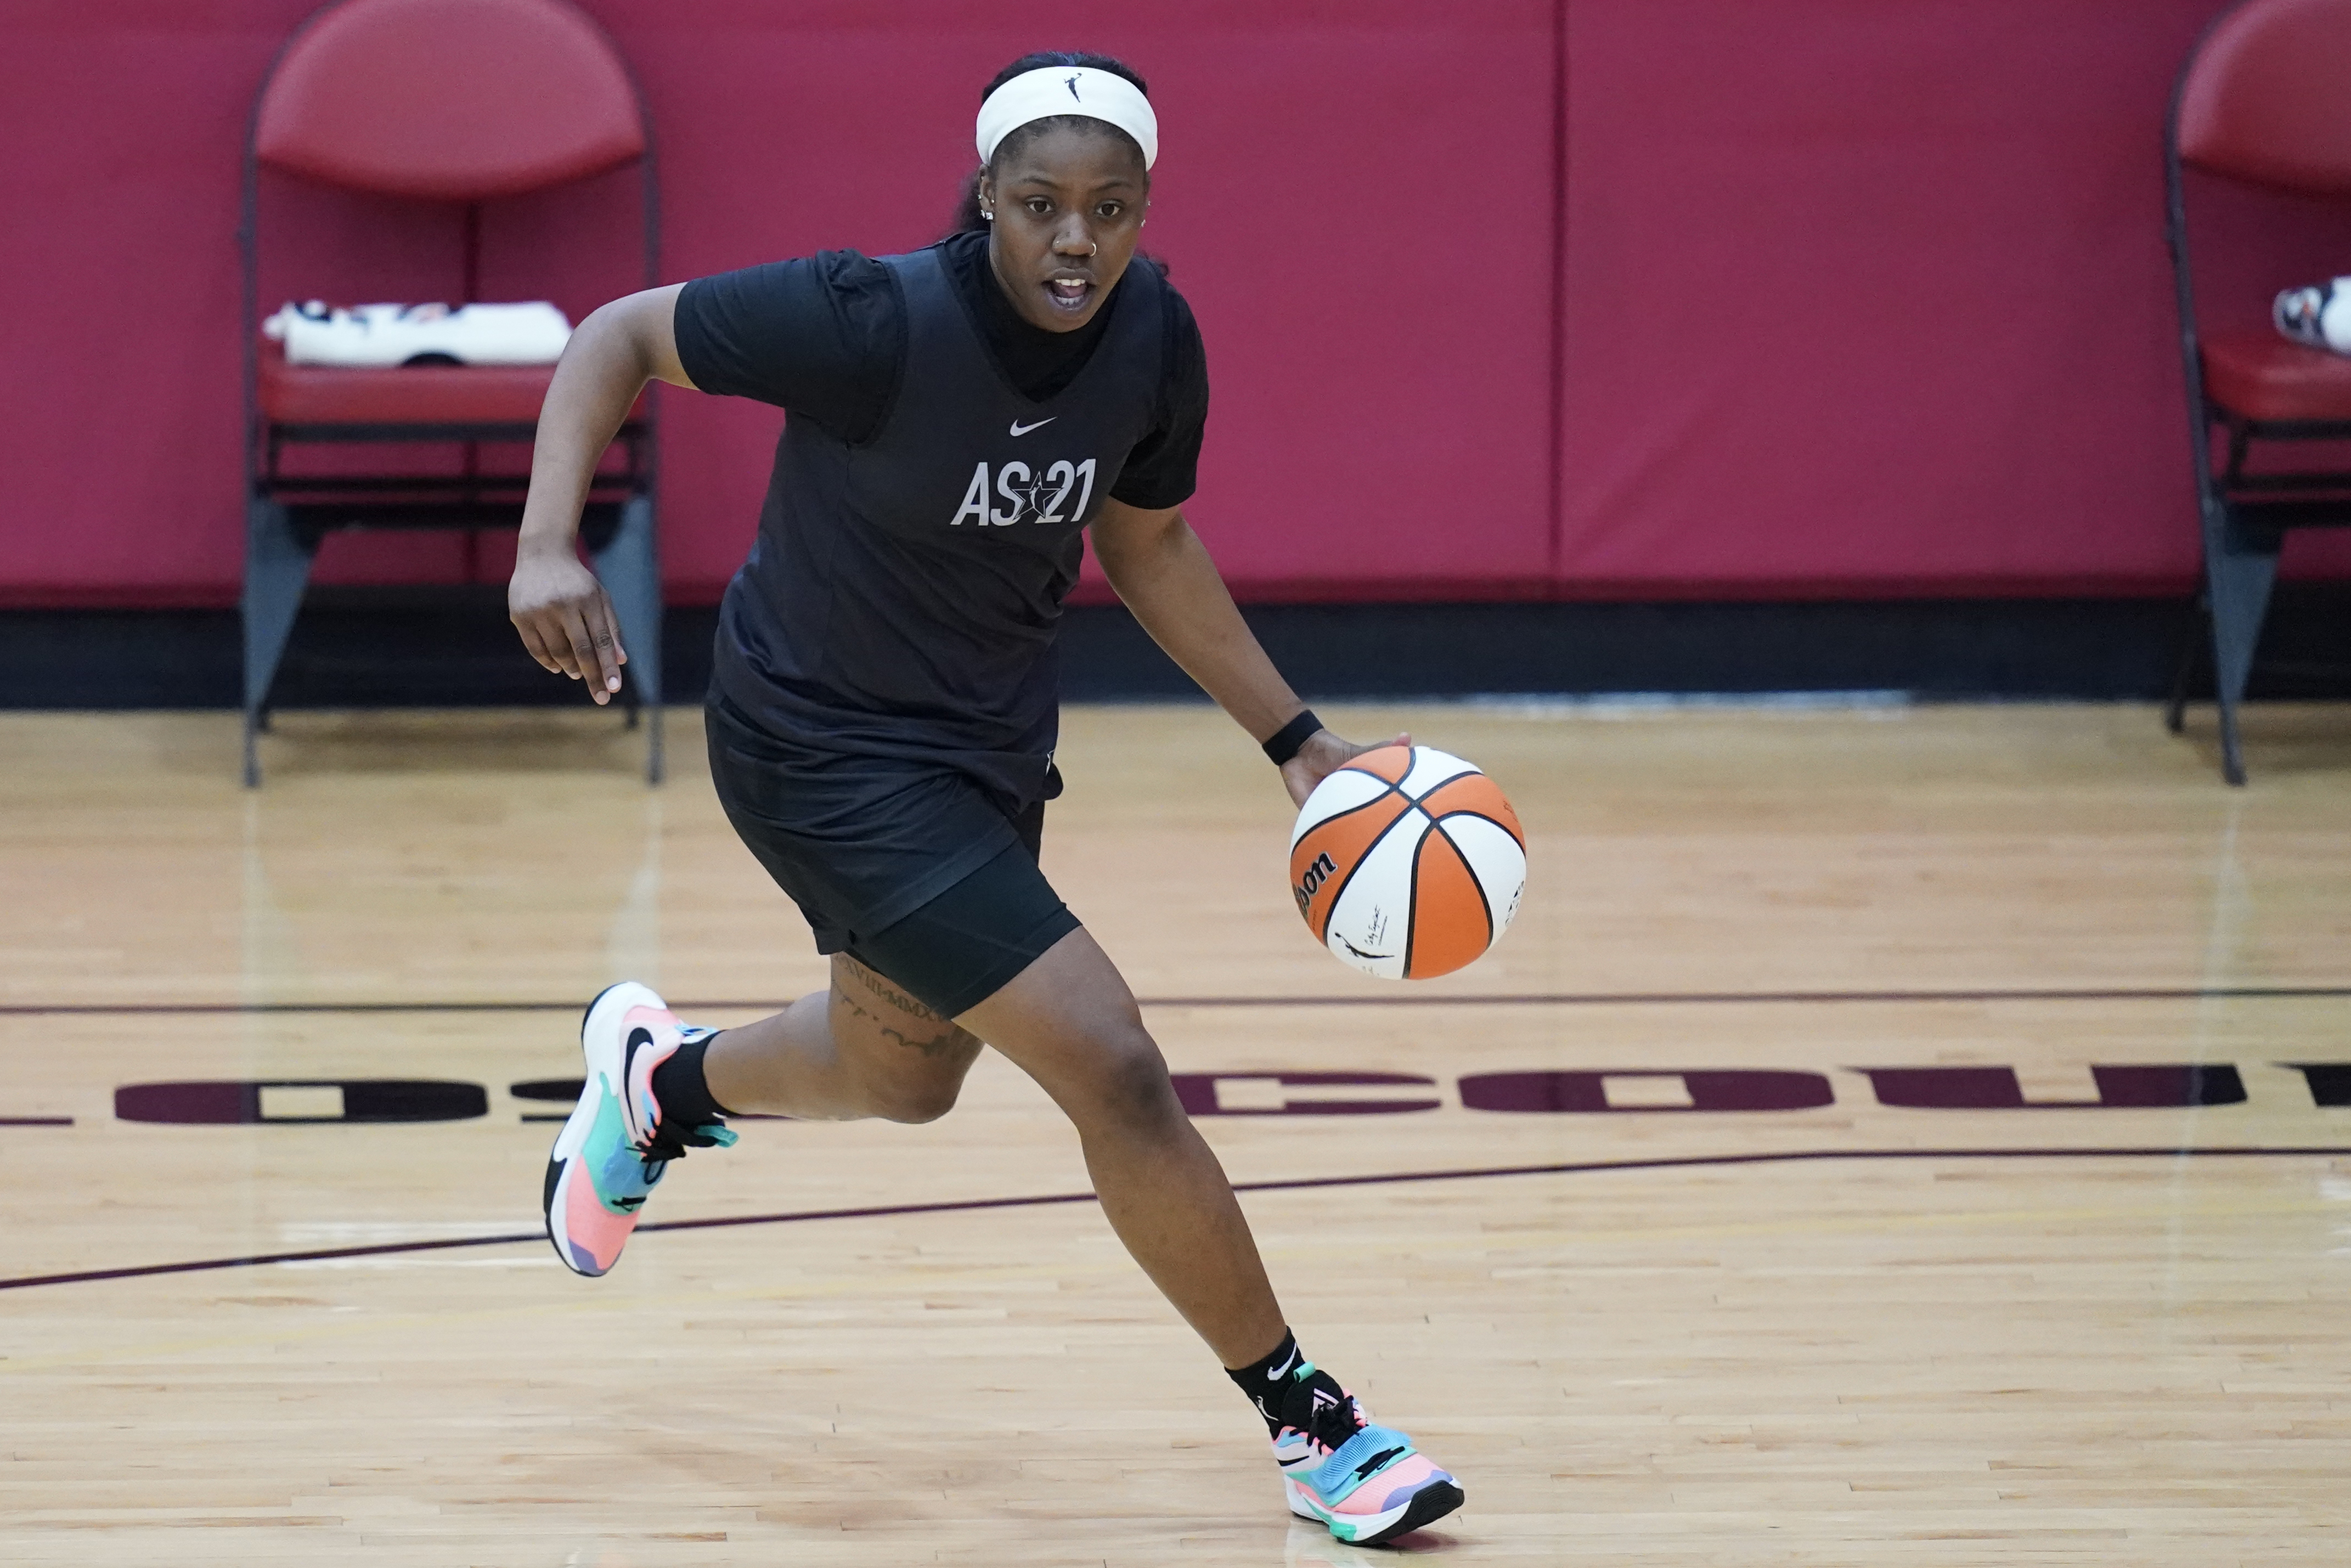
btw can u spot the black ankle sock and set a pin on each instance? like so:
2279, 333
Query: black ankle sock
1290, 1391
685, 1095
1267, 1381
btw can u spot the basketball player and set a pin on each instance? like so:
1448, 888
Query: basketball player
884, 713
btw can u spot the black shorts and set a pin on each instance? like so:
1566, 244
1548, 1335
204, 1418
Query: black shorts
918, 874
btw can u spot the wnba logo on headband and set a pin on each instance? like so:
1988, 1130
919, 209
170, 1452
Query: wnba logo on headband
1068, 89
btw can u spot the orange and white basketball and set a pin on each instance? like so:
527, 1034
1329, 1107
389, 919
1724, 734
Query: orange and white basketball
1407, 862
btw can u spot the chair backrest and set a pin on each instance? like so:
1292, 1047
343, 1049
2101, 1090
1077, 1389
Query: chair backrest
453, 99
2267, 97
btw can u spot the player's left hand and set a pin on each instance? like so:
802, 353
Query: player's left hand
1323, 755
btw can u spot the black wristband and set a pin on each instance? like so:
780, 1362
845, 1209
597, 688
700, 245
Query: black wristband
1287, 742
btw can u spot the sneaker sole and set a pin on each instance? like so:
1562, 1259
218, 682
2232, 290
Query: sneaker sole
604, 1063
1430, 1504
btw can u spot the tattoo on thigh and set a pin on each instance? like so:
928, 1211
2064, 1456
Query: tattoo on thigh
890, 995
949, 1038
841, 998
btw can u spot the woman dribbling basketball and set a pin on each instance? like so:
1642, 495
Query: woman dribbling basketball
882, 717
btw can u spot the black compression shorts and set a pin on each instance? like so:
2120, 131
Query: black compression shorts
985, 912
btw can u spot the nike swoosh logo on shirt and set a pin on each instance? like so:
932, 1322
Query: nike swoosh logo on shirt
1020, 429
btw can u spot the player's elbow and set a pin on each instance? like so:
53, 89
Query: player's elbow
1136, 548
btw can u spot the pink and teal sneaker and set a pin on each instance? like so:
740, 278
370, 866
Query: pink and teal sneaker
1366, 1483
613, 1149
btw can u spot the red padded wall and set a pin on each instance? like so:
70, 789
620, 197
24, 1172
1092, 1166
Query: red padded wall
1867, 297
1351, 197
1859, 296
1366, 244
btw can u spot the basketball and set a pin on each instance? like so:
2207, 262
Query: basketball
1407, 862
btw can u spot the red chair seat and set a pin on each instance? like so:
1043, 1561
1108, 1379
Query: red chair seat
404, 394
2255, 375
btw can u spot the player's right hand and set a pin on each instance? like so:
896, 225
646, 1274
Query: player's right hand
1323, 755
566, 619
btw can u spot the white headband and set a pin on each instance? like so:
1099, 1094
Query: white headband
1068, 89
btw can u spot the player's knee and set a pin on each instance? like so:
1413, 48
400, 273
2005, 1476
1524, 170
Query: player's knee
1131, 1090
914, 1110
920, 1094
915, 1100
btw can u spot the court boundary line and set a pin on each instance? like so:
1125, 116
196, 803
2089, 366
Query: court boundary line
1504, 999
1292, 1184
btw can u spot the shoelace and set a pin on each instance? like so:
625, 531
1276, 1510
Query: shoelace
669, 1143
1329, 1422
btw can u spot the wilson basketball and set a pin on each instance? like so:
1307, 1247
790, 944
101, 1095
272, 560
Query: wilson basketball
1407, 862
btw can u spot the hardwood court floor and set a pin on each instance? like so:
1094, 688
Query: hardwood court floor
1806, 1232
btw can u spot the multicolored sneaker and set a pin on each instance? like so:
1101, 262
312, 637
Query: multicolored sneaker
614, 1148
1366, 1482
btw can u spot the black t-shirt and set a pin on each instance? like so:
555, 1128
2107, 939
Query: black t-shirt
924, 523
824, 338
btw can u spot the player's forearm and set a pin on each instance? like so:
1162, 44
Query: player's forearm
605, 368
1172, 587
600, 374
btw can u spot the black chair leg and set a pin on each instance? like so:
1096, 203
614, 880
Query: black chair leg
277, 568
2239, 567
630, 567
2195, 638
656, 763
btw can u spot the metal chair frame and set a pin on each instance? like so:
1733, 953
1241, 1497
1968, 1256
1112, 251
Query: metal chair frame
2244, 516
288, 515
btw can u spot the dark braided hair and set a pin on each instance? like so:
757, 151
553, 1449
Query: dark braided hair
966, 217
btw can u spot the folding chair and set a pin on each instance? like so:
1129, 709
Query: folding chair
457, 101
2264, 102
